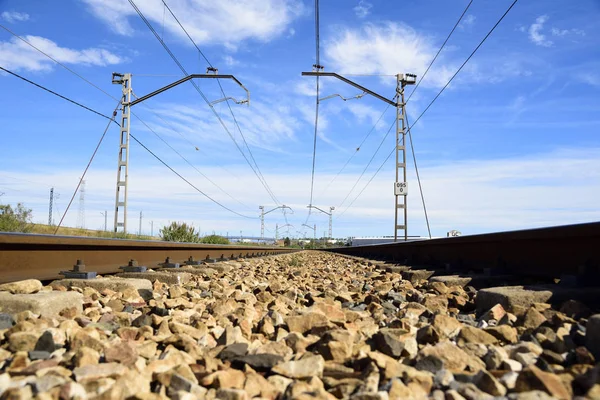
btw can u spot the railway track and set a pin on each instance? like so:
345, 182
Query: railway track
554, 252
307, 325
43, 257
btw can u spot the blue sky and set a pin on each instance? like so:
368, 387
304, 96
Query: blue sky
512, 143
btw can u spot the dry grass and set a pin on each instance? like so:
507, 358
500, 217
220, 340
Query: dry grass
67, 231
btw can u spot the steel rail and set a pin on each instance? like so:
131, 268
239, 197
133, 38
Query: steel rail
545, 252
25, 256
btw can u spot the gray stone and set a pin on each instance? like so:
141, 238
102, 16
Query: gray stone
234, 351
260, 362
388, 344
6, 321
38, 355
46, 304
45, 343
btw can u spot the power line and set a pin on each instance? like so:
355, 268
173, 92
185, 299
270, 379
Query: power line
357, 150
105, 93
188, 182
464, 63
56, 94
102, 138
368, 164
81, 179
269, 191
317, 66
413, 91
440, 50
433, 101
192, 165
174, 58
412, 148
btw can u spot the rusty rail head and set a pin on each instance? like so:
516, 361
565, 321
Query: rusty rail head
548, 252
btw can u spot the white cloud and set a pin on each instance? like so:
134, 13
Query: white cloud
363, 9
18, 55
467, 21
230, 61
265, 125
375, 49
471, 196
565, 32
224, 22
535, 32
590, 78
13, 16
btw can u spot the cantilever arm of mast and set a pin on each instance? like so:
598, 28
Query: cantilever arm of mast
187, 78
349, 82
315, 207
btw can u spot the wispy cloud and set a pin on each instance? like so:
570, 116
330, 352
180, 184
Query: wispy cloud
363, 9
230, 61
535, 32
487, 195
467, 21
226, 22
13, 16
565, 32
18, 55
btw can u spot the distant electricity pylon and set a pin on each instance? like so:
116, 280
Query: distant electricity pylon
81, 214
262, 219
50, 206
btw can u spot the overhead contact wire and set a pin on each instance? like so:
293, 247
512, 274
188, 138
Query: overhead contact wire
436, 97
168, 50
318, 66
87, 167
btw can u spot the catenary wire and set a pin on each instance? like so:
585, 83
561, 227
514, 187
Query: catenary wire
94, 85
413, 91
317, 66
87, 167
188, 182
271, 193
412, 148
440, 50
174, 58
192, 165
112, 120
368, 164
435, 98
56, 94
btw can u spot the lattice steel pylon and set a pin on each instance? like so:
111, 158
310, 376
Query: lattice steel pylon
400, 187
123, 162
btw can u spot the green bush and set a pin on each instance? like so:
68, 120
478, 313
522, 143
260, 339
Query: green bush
214, 239
287, 242
179, 232
15, 220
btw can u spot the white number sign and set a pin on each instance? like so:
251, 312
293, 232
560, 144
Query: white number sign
400, 189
